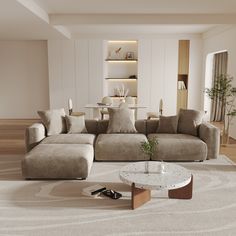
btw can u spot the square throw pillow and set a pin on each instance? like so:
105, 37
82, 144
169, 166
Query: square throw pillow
54, 121
168, 124
75, 124
189, 121
121, 120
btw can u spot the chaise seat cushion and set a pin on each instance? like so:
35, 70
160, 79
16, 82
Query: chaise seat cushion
179, 147
70, 139
59, 161
120, 147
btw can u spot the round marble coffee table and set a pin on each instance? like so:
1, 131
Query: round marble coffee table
175, 178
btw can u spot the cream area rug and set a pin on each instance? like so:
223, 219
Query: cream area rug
58, 207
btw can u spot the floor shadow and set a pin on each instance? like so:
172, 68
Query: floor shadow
211, 167
68, 194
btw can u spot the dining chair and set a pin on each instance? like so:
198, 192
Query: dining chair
156, 115
71, 112
105, 100
152, 115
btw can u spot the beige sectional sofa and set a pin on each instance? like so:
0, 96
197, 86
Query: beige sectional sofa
72, 155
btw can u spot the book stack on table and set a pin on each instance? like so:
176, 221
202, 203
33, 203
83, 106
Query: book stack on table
93, 191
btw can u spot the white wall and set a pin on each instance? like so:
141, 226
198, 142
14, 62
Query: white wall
158, 70
157, 79
195, 75
76, 70
220, 41
23, 78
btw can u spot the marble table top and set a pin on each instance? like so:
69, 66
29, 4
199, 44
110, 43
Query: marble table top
174, 176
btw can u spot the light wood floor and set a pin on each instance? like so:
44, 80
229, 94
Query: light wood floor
12, 138
12, 135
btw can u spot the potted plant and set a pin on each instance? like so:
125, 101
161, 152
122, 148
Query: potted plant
226, 94
149, 148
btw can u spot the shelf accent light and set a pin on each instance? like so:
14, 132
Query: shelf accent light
124, 80
122, 41
118, 61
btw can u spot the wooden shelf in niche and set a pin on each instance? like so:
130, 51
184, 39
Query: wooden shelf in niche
122, 97
184, 79
121, 78
120, 66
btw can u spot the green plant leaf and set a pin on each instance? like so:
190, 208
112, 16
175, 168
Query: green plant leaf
149, 146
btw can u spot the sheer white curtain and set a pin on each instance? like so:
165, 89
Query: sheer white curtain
220, 63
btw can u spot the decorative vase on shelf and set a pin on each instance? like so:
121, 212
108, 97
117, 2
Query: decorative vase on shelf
122, 100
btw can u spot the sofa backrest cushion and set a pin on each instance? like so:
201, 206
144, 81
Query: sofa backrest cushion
140, 126
75, 125
152, 126
102, 126
91, 126
168, 124
54, 121
189, 121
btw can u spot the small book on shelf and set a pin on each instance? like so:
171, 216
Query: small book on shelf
93, 191
181, 85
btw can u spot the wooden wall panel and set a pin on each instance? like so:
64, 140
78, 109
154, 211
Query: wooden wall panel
183, 57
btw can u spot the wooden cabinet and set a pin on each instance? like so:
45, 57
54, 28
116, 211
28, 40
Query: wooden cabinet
182, 97
183, 57
183, 74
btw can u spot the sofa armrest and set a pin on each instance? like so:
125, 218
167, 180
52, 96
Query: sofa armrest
211, 136
33, 135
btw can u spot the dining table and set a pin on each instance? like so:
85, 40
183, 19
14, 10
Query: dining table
97, 107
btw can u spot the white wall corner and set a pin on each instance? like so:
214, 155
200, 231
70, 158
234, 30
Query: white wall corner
63, 30
35, 9
216, 30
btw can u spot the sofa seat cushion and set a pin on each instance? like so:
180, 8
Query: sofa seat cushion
179, 147
120, 147
70, 139
58, 161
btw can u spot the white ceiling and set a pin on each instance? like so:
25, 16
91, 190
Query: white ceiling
45, 19
138, 6
17, 22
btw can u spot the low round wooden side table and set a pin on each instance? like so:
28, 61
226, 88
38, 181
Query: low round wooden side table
175, 178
